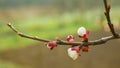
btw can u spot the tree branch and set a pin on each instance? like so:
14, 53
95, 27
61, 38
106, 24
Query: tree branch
61, 42
107, 14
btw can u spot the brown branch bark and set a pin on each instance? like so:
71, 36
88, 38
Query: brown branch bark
107, 14
61, 42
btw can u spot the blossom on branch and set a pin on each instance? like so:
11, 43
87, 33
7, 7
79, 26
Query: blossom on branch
74, 52
70, 38
83, 33
51, 44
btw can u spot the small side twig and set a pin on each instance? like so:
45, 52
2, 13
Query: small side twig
62, 42
26, 36
107, 14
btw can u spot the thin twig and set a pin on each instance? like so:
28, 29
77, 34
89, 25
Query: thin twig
61, 42
26, 36
107, 14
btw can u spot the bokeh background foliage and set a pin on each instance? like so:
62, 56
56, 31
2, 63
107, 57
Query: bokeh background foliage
51, 19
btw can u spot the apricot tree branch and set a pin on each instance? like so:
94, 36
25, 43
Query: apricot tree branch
62, 42
107, 14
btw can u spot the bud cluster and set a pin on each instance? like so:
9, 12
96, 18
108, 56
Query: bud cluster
74, 51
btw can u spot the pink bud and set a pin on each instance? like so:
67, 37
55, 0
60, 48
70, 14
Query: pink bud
51, 44
70, 38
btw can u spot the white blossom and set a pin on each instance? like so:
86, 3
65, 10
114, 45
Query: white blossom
81, 31
72, 53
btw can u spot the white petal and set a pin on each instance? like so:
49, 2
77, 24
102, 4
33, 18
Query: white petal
72, 54
69, 50
48, 46
81, 31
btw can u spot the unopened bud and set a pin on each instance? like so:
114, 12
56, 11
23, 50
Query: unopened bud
51, 44
70, 38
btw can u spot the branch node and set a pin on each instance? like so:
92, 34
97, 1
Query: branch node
35, 36
18, 33
109, 6
103, 40
9, 24
105, 13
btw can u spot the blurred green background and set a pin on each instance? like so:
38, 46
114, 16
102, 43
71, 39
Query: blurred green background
50, 19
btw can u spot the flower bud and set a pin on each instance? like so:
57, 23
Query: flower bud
83, 33
74, 52
51, 44
70, 38
85, 48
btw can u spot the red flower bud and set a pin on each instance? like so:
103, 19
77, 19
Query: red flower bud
51, 44
70, 38
85, 48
